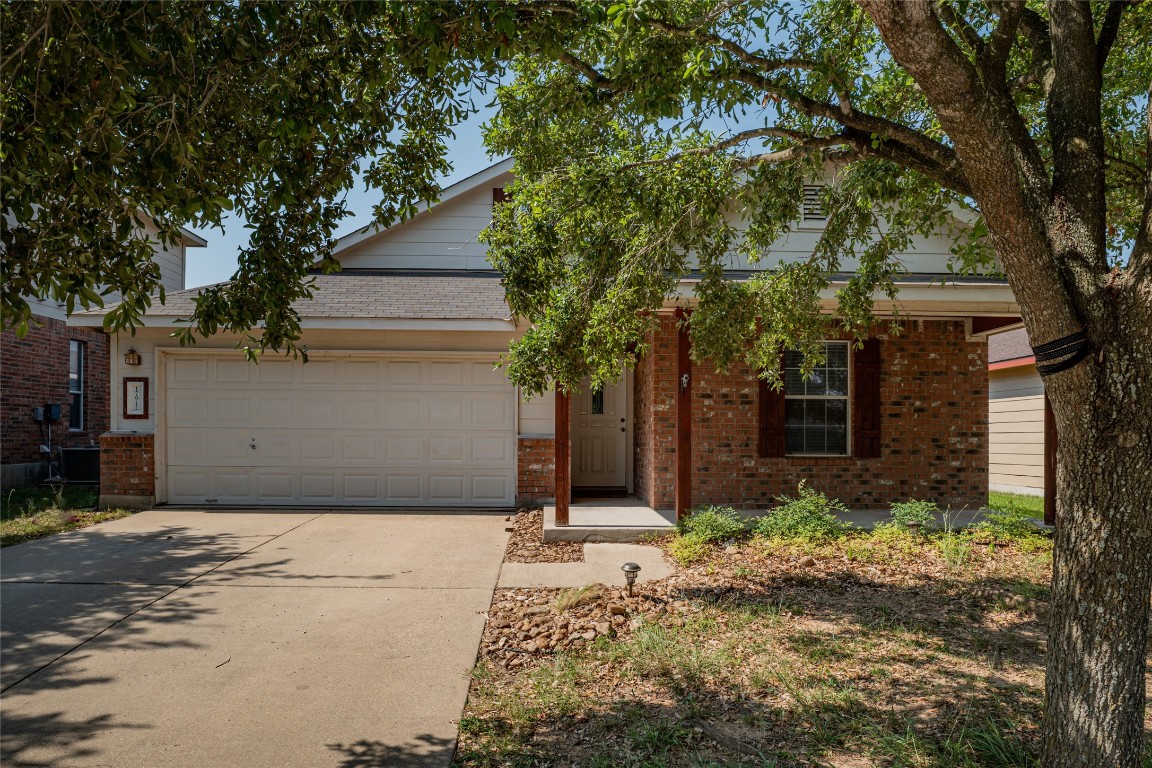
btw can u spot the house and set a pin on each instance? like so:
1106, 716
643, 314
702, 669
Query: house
63, 365
400, 404
1016, 407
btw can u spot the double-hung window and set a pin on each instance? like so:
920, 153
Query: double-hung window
816, 409
76, 384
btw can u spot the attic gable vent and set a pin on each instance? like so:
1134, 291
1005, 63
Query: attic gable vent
812, 210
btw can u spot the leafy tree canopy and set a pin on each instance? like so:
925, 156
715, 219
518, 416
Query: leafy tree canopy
622, 190
124, 121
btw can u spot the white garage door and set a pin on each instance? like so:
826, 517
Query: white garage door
376, 431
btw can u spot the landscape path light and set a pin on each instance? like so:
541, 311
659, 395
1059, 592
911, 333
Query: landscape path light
631, 571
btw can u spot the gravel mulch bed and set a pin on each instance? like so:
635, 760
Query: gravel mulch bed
527, 544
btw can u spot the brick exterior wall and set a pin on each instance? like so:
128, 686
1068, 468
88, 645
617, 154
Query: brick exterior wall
34, 371
934, 433
127, 469
535, 469
654, 414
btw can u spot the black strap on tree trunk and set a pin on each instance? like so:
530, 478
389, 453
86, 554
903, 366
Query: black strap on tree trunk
1062, 354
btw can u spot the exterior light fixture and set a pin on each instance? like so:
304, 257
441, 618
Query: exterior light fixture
631, 571
131, 357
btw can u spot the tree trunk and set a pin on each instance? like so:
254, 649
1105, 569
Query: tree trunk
1102, 569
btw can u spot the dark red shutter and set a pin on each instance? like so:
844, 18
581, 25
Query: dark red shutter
498, 195
772, 419
866, 400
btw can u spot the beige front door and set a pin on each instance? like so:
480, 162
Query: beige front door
600, 435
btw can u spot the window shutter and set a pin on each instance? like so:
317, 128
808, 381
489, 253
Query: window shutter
866, 401
498, 195
771, 420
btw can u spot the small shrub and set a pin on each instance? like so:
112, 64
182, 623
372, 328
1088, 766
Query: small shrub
807, 517
713, 524
955, 550
570, 598
689, 549
1009, 523
912, 511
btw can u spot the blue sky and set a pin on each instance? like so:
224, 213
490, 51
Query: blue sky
217, 262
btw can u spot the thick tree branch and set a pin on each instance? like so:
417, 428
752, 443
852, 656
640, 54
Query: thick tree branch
1077, 134
1109, 29
957, 23
1000, 44
1141, 260
1007, 178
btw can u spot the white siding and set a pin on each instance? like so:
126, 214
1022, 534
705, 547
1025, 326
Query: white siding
442, 238
1016, 430
445, 237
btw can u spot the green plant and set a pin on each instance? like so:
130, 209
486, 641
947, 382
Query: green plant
913, 511
713, 524
808, 517
1009, 523
689, 549
955, 550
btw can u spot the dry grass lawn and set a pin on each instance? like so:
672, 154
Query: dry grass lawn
885, 649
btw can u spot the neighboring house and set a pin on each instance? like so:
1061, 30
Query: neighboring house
1015, 415
65, 366
400, 405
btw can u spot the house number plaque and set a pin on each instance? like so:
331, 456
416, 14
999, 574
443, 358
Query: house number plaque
136, 398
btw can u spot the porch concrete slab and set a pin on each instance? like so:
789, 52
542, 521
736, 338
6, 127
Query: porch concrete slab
392, 550
43, 621
152, 547
601, 566
608, 520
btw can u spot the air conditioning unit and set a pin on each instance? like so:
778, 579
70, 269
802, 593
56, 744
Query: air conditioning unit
80, 465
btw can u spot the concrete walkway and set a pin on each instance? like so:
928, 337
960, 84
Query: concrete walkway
279, 639
601, 566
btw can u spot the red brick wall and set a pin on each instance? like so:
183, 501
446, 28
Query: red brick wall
34, 371
535, 469
654, 412
934, 441
127, 465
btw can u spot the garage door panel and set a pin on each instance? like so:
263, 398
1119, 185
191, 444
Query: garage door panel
229, 371
361, 448
361, 487
339, 431
319, 372
404, 488
318, 486
490, 488
403, 448
445, 410
446, 488
276, 371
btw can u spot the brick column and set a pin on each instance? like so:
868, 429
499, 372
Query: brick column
127, 470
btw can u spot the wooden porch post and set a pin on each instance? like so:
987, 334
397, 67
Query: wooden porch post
1050, 446
563, 457
683, 419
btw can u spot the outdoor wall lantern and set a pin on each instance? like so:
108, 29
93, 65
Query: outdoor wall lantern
631, 571
131, 357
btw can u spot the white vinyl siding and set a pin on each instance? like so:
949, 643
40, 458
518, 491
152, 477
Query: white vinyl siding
1016, 430
443, 238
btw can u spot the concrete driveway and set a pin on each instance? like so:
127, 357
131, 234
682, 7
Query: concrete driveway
246, 638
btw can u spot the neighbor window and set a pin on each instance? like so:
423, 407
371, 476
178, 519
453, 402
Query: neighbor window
812, 213
816, 408
76, 384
